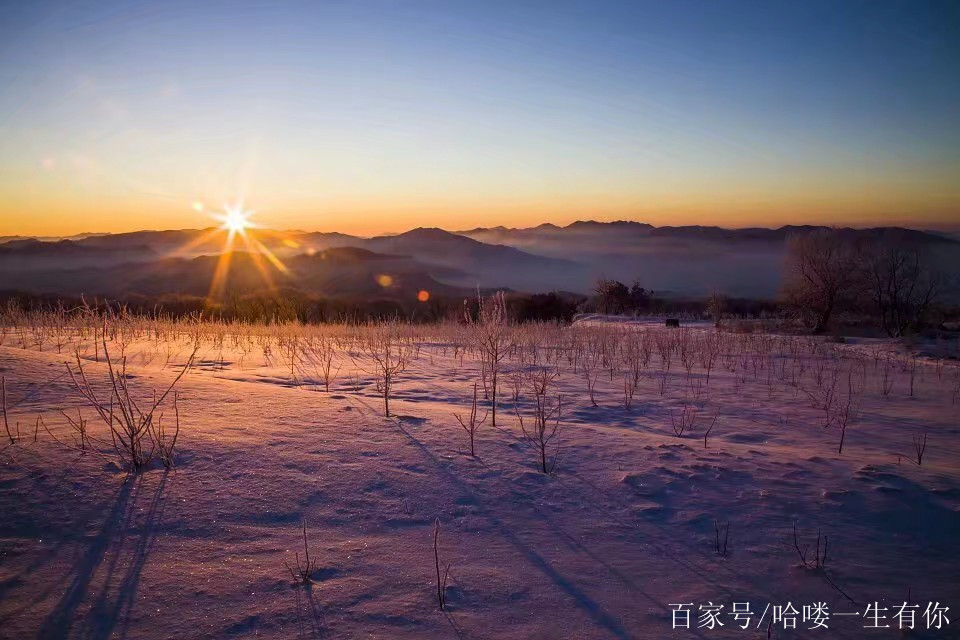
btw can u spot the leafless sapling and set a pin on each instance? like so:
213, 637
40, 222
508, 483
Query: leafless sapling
629, 388
706, 433
919, 447
887, 378
493, 340
471, 424
543, 433
721, 545
818, 561
389, 354
591, 374
79, 427
441, 581
845, 413
303, 575
163, 439
683, 421
3, 403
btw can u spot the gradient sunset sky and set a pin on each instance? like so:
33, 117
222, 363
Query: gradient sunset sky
368, 117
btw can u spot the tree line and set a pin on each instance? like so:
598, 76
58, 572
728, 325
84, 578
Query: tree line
886, 278
895, 281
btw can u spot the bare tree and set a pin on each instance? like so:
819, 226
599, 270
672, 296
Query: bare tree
716, 307
902, 286
821, 275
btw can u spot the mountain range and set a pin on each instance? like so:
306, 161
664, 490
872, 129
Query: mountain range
683, 261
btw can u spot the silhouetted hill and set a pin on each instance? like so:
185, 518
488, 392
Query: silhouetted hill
688, 260
28, 253
341, 272
437, 245
691, 260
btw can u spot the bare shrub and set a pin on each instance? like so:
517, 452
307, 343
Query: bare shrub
79, 428
630, 384
706, 434
665, 343
912, 370
325, 353
543, 432
919, 447
710, 348
591, 373
491, 334
846, 410
684, 420
131, 428
817, 560
164, 440
716, 307
516, 384
291, 349
303, 574
389, 353
663, 381
886, 378
471, 424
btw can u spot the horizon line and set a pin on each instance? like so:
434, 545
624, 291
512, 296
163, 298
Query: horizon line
943, 228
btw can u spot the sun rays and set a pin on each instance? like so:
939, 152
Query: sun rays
235, 223
235, 220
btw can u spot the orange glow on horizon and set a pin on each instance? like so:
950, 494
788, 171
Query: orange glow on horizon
872, 205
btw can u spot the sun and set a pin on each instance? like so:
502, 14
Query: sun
235, 220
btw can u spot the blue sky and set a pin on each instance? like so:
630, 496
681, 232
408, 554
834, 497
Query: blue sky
378, 116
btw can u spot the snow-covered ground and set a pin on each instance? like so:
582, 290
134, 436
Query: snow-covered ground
623, 530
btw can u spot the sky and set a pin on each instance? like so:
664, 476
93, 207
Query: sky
379, 116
